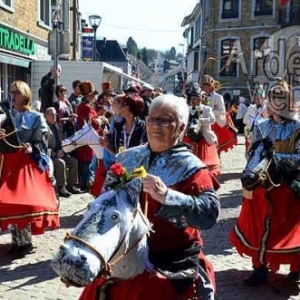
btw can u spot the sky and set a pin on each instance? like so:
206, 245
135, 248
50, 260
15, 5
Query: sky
154, 24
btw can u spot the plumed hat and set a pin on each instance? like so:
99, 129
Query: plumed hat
87, 88
107, 88
209, 80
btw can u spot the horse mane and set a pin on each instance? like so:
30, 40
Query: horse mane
11, 143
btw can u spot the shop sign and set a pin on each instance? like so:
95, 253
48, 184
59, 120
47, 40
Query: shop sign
11, 40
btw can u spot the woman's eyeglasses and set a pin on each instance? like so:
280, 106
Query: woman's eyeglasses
62, 91
158, 121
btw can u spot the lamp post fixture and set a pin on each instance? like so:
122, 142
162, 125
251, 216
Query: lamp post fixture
95, 21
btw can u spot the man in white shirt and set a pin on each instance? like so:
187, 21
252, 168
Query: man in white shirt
216, 101
223, 128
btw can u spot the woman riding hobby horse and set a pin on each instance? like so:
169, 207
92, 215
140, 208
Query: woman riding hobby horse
178, 197
28, 203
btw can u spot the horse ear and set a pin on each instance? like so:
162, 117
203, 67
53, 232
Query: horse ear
133, 188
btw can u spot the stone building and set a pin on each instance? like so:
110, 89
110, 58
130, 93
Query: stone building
24, 29
242, 43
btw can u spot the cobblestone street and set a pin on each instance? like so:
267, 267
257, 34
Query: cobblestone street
32, 277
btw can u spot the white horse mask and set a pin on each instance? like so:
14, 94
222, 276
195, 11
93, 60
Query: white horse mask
110, 239
86, 136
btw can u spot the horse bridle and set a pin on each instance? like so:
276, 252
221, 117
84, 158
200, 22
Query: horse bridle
108, 265
8, 143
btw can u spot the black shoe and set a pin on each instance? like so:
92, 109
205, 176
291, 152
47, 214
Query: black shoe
73, 189
258, 277
294, 276
63, 192
21, 250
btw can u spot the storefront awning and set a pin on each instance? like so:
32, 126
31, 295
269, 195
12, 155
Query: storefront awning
13, 60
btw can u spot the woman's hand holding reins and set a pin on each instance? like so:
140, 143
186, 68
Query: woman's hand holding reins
27, 147
2, 133
155, 187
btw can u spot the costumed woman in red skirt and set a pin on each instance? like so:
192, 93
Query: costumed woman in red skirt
223, 127
268, 228
86, 113
179, 199
28, 204
199, 133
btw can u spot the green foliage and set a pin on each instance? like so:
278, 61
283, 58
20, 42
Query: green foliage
149, 56
132, 47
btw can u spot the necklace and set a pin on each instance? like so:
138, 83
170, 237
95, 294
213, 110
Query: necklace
127, 140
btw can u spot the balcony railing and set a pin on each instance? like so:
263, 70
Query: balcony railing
292, 19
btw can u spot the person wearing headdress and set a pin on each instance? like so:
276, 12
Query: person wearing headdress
268, 227
146, 94
86, 113
255, 113
199, 133
223, 127
106, 97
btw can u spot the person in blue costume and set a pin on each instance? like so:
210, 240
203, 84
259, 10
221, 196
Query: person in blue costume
28, 203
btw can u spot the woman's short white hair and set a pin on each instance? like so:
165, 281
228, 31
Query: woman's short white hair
177, 104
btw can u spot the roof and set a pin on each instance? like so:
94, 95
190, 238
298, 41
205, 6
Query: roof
110, 50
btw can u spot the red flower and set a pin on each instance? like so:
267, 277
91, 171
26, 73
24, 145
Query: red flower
118, 170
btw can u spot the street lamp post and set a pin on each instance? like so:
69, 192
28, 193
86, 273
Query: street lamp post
95, 21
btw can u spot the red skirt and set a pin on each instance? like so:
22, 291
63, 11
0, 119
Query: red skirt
226, 135
26, 194
147, 286
207, 153
268, 229
99, 179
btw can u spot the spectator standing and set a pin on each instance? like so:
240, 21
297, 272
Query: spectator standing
64, 110
65, 181
146, 95
75, 97
106, 97
242, 109
48, 88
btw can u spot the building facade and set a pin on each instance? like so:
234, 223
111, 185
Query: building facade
24, 32
241, 42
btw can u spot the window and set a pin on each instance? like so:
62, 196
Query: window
7, 2
7, 5
197, 29
196, 61
263, 7
45, 12
229, 50
259, 46
260, 49
230, 9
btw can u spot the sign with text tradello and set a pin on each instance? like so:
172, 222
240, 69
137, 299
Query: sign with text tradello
14, 41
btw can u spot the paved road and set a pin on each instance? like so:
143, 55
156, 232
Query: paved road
32, 278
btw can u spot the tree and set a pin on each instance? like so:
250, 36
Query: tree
132, 47
173, 53
145, 56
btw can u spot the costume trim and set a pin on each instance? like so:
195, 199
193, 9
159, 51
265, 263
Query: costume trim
1, 164
245, 243
37, 214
